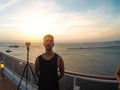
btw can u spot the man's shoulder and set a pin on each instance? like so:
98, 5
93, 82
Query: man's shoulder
39, 56
59, 57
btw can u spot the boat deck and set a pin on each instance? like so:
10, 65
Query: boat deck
7, 84
71, 81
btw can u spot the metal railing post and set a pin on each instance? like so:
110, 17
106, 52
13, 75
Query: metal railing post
75, 87
74, 82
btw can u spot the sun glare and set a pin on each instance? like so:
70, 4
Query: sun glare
35, 27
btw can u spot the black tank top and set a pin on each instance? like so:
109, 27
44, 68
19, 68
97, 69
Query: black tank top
48, 78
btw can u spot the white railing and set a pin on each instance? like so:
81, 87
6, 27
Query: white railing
88, 77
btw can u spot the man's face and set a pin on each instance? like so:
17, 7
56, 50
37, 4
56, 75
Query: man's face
48, 43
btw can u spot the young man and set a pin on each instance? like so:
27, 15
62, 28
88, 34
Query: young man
47, 66
117, 76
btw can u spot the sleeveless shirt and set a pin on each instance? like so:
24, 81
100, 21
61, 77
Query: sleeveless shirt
48, 77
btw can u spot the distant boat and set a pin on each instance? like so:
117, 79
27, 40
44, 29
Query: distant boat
8, 51
95, 47
14, 46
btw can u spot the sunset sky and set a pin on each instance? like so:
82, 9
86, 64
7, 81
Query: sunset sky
66, 20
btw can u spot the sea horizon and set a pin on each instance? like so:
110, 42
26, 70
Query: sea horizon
106, 60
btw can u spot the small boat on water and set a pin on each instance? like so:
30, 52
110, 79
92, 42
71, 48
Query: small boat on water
14, 46
95, 47
8, 51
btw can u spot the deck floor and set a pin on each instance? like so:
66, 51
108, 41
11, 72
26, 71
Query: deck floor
7, 84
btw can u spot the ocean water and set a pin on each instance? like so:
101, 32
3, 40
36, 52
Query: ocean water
99, 58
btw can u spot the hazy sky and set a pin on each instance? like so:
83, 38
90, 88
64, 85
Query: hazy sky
67, 20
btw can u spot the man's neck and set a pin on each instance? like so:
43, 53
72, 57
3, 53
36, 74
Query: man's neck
48, 55
49, 52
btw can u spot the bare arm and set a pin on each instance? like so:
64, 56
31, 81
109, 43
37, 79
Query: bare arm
117, 74
36, 69
61, 68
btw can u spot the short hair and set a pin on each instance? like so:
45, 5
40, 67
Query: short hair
48, 35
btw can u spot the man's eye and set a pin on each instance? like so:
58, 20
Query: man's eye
49, 41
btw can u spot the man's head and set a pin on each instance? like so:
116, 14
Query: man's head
48, 42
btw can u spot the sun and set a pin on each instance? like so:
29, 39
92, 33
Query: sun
35, 26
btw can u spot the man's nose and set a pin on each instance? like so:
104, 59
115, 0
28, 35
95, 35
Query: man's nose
48, 43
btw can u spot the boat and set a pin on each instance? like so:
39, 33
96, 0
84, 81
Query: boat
95, 47
8, 51
14, 46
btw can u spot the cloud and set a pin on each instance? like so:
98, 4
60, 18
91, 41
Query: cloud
6, 4
50, 16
